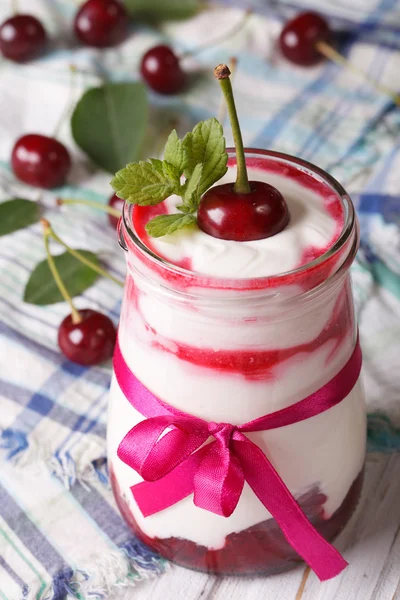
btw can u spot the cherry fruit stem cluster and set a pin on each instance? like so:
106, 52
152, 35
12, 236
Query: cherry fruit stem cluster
332, 54
241, 185
47, 234
92, 204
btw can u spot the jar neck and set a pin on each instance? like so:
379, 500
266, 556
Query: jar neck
144, 262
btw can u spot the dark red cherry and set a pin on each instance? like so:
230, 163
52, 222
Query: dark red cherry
162, 71
299, 37
227, 215
118, 204
40, 161
101, 23
89, 342
22, 37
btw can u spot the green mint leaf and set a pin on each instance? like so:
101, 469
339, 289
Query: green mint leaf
166, 224
192, 195
143, 183
18, 213
41, 288
173, 152
171, 172
206, 145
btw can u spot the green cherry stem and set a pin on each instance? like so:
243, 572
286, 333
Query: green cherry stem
47, 234
83, 259
241, 186
14, 6
92, 204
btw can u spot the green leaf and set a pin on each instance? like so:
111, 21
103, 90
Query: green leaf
173, 152
162, 10
109, 124
166, 224
171, 172
143, 183
206, 145
41, 288
17, 214
192, 194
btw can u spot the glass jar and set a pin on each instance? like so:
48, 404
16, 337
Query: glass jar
234, 350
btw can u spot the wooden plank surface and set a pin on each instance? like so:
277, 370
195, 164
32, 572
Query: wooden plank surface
370, 543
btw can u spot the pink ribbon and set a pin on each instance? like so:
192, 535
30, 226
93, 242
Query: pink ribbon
177, 464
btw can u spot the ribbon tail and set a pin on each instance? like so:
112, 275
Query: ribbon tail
321, 556
155, 496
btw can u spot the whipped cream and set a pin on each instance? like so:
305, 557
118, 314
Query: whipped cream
315, 224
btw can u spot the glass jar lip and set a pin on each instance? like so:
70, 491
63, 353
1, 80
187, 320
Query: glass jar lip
347, 229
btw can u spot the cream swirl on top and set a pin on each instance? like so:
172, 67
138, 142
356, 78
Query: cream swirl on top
316, 221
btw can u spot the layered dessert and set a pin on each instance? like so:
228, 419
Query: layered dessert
229, 331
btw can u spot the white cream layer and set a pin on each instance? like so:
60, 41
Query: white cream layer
310, 224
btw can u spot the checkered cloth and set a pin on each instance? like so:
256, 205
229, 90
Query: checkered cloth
61, 535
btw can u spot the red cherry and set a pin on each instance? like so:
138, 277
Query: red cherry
161, 70
243, 217
118, 204
299, 37
40, 160
101, 23
22, 37
89, 342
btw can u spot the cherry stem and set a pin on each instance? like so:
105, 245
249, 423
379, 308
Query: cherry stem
241, 186
224, 36
68, 106
223, 107
330, 52
86, 261
15, 7
47, 233
92, 204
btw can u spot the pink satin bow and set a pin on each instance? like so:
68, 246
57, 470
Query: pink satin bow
177, 464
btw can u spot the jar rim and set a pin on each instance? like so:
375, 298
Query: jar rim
267, 280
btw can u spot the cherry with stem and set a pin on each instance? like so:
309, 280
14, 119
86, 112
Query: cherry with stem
22, 36
86, 337
161, 67
306, 40
246, 210
41, 160
101, 23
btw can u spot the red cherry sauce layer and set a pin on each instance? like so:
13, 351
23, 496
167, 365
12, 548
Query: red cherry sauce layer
252, 364
259, 550
189, 279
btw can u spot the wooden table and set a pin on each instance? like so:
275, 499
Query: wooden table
370, 543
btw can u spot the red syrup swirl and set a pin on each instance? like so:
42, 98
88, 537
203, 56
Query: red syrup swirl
259, 550
255, 364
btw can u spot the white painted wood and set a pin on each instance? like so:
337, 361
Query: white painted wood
371, 544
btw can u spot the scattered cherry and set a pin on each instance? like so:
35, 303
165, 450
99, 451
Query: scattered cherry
40, 160
89, 342
22, 37
162, 71
299, 37
118, 204
101, 23
227, 215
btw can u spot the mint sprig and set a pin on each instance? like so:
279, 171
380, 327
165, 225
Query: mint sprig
200, 157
